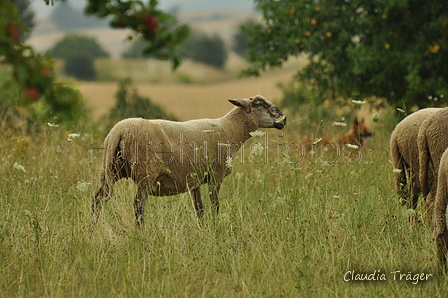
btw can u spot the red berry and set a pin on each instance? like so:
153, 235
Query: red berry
150, 21
307, 33
46, 72
14, 32
32, 93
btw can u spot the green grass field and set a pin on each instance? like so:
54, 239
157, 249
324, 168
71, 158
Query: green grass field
284, 230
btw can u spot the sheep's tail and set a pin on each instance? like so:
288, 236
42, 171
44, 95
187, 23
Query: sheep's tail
109, 173
113, 156
398, 163
424, 160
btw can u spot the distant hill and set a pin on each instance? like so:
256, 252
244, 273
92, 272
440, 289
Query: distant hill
210, 17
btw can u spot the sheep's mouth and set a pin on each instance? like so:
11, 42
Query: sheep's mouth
279, 125
280, 122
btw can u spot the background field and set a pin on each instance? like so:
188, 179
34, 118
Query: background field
283, 230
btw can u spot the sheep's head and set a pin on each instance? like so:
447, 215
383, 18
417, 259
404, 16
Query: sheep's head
265, 113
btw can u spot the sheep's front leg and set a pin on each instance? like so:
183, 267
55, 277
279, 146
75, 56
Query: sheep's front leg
196, 193
214, 195
139, 203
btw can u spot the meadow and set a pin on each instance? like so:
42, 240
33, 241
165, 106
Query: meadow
286, 227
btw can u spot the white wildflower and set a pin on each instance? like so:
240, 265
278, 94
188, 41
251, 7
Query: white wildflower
358, 102
317, 141
229, 162
352, 146
401, 110
308, 176
256, 149
336, 197
280, 119
257, 133
213, 123
73, 136
19, 167
52, 124
396, 171
83, 186
259, 176
341, 124
239, 176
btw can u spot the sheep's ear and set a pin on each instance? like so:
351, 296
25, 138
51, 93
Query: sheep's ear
355, 121
245, 104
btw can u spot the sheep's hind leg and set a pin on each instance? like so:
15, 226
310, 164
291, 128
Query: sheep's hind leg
196, 193
140, 202
103, 194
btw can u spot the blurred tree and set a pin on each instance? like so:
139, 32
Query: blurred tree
74, 44
80, 66
206, 49
239, 44
397, 50
79, 53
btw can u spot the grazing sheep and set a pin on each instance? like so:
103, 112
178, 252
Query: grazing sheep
440, 208
432, 141
166, 158
404, 154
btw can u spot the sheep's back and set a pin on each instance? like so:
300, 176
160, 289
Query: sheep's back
405, 136
435, 132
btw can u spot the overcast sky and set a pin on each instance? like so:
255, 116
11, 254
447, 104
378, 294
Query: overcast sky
42, 10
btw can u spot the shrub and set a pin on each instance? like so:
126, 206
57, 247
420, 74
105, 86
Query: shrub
130, 104
206, 49
80, 66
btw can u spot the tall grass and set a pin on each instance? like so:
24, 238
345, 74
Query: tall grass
283, 229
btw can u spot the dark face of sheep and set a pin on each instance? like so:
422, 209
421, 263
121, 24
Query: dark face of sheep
266, 113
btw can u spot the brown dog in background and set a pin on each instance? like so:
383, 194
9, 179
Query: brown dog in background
357, 135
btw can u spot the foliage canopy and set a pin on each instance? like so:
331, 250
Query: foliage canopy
397, 50
34, 73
